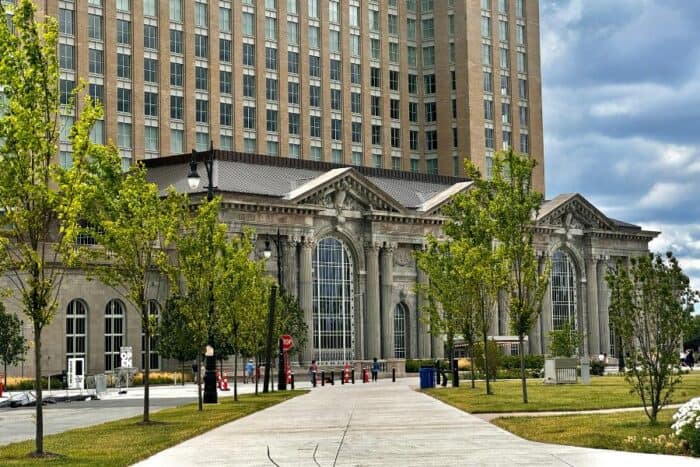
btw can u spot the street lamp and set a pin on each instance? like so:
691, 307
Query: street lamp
267, 253
193, 180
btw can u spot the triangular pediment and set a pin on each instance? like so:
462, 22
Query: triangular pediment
435, 203
573, 211
344, 189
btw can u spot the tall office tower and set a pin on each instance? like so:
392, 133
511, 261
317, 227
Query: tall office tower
403, 84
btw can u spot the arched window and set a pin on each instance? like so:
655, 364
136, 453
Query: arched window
563, 286
400, 331
154, 312
333, 313
76, 329
114, 333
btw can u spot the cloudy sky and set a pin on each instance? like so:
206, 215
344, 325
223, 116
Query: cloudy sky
621, 92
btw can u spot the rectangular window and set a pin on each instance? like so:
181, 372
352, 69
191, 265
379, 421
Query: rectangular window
505, 85
201, 46
201, 111
393, 80
124, 135
375, 77
394, 106
429, 84
271, 120
271, 93
430, 112
313, 37
150, 104
66, 23
376, 134
226, 142
524, 120
271, 58
315, 126
249, 118
522, 62
373, 20
335, 70
313, 8
226, 114
488, 81
428, 29
176, 141
355, 73
95, 27
504, 58
248, 85
375, 48
393, 24
224, 19
336, 129
413, 112
354, 16
150, 7
355, 47
520, 34
336, 99
334, 40
66, 56
486, 54
413, 140
225, 82
175, 41
412, 84
488, 138
292, 7
270, 28
488, 109
293, 119
150, 70
415, 165
431, 140
503, 31
395, 138
333, 11
524, 143
294, 151
505, 112
522, 88
123, 32
393, 52
200, 15
150, 136
507, 139
356, 158
376, 106
150, 37
292, 33
356, 132
315, 96
225, 50
315, 66
293, 93
293, 62
201, 78
176, 11
519, 8
248, 22
249, 54
97, 132
124, 100
96, 92
411, 29
356, 102
176, 107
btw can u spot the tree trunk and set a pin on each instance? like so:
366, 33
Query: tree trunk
521, 347
5, 376
486, 362
39, 396
255, 375
199, 381
471, 364
235, 377
183, 372
147, 363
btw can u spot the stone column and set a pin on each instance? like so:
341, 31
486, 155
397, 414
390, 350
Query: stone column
437, 343
603, 303
306, 295
387, 281
584, 312
289, 266
593, 318
423, 339
372, 315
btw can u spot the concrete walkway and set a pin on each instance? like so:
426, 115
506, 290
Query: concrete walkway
491, 415
379, 424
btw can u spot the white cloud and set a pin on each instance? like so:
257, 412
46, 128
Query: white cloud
668, 194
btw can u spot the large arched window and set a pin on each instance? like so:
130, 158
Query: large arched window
563, 286
333, 314
114, 333
154, 312
400, 331
76, 329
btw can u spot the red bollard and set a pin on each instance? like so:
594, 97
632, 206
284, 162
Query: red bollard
1, 388
365, 375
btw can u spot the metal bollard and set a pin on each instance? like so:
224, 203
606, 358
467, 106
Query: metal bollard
313, 379
393, 375
332, 378
323, 378
455, 378
342, 378
292, 381
352, 376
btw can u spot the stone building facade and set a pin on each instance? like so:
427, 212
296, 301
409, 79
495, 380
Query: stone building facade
347, 240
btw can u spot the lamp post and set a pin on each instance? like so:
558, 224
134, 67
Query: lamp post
193, 180
271, 316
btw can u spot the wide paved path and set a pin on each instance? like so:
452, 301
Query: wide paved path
378, 424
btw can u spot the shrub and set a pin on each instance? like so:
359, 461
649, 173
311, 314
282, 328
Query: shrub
413, 365
162, 377
532, 362
597, 367
495, 355
662, 444
686, 424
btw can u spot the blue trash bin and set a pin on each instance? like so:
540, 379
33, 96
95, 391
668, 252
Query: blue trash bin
427, 377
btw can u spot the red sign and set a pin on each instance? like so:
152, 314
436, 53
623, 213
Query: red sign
287, 342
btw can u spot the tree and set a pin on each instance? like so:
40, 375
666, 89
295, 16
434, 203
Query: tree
13, 345
514, 205
691, 339
41, 202
291, 321
174, 335
650, 309
134, 227
564, 342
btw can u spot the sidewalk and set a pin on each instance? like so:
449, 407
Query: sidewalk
379, 424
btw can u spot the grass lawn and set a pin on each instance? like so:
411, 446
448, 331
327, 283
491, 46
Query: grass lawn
124, 442
604, 392
605, 431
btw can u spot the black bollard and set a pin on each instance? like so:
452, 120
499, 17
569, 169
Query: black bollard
352, 376
332, 378
455, 378
292, 381
342, 377
313, 378
393, 375
323, 378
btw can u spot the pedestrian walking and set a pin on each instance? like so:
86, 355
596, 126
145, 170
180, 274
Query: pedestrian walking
313, 370
248, 373
690, 359
375, 370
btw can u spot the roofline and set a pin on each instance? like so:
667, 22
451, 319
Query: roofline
261, 159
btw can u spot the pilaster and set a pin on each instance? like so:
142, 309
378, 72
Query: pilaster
372, 315
387, 318
306, 294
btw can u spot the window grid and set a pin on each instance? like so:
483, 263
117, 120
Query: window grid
114, 334
563, 280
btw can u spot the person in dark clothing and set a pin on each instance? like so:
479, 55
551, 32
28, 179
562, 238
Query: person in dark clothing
375, 370
690, 359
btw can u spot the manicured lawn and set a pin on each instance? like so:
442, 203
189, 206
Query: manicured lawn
604, 392
123, 442
605, 431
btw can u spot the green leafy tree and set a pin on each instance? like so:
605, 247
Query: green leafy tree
564, 342
650, 310
134, 227
513, 206
291, 320
691, 339
174, 336
13, 345
41, 202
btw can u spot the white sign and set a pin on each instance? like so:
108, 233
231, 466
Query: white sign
126, 354
76, 373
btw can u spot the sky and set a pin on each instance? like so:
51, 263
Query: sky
621, 109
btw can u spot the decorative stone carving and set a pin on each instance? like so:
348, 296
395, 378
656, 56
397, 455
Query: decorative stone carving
403, 257
576, 215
